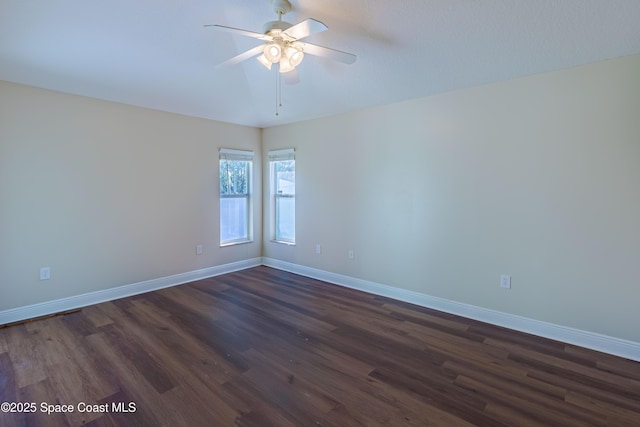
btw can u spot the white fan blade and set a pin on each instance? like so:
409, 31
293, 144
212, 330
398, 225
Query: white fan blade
305, 28
291, 78
240, 32
325, 52
244, 55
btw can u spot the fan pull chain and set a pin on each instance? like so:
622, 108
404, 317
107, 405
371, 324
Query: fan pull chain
278, 90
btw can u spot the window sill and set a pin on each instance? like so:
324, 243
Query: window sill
240, 242
283, 242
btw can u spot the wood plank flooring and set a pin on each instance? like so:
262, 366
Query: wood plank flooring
262, 347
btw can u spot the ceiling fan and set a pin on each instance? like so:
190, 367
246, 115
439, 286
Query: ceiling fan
282, 45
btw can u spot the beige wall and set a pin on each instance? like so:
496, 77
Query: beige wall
107, 195
537, 177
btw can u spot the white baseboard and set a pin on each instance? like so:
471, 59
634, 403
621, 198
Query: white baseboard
591, 340
78, 301
594, 341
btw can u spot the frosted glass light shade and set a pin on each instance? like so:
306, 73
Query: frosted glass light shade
285, 65
273, 52
264, 61
294, 55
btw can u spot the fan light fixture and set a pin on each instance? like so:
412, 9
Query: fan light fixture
273, 52
264, 61
294, 54
288, 55
286, 65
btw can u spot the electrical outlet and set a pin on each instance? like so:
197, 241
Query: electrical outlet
199, 250
505, 281
351, 254
318, 248
45, 273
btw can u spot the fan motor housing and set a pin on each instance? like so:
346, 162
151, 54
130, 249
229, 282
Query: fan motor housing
275, 25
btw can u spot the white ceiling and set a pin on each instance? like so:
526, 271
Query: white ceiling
157, 54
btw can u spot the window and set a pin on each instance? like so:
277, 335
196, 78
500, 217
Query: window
235, 196
283, 195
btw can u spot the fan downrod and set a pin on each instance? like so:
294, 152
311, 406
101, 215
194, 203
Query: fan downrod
280, 7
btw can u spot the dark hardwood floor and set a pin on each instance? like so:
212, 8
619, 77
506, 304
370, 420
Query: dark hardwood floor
262, 347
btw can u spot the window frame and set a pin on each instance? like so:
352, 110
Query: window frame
276, 156
245, 156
